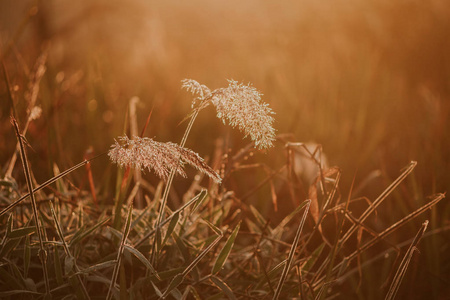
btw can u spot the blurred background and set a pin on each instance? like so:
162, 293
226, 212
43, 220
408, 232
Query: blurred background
368, 80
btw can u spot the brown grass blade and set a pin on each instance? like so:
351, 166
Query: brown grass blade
47, 183
398, 224
120, 251
405, 262
67, 250
287, 266
33, 111
42, 252
386, 232
378, 201
178, 279
88, 155
147, 122
198, 197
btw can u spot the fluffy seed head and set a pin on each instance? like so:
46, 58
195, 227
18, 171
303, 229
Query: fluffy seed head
145, 153
240, 106
202, 91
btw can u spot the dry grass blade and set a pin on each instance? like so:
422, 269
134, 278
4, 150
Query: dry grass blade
378, 201
120, 251
382, 255
42, 251
334, 250
33, 110
388, 231
47, 183
31, 12
67, 250
12, 107
178, 279
404, 264
397, 225
199, 198
91, 178
317, 213
287, 266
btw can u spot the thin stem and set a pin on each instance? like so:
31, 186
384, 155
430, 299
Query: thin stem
42, 252
404, 264
169, 182
292, 252
120, 251
378, 201
167, 220
172, 173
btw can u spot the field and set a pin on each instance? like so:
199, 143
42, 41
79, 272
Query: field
224, 149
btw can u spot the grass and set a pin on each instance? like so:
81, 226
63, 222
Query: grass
126, 226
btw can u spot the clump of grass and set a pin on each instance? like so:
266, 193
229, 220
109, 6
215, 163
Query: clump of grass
214, 245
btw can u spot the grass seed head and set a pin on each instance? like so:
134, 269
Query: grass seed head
240, 106
145, 153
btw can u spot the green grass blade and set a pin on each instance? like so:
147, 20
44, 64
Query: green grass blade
279, 229
4, 295
21, 232
216, 230
142, 259
182, 247
200, 198
82, 292
123, 283
26, 256
223, 255
262, 222
120, 251
9, 246
223, 287
178, 279
313, 258
82, 234
190, 202
173, 223
175, 282
9, 224
96, 267
57, 265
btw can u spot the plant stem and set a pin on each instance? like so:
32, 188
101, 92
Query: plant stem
42, 252
169, 182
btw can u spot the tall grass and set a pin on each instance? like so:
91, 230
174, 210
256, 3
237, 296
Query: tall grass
355, 79
183, 258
